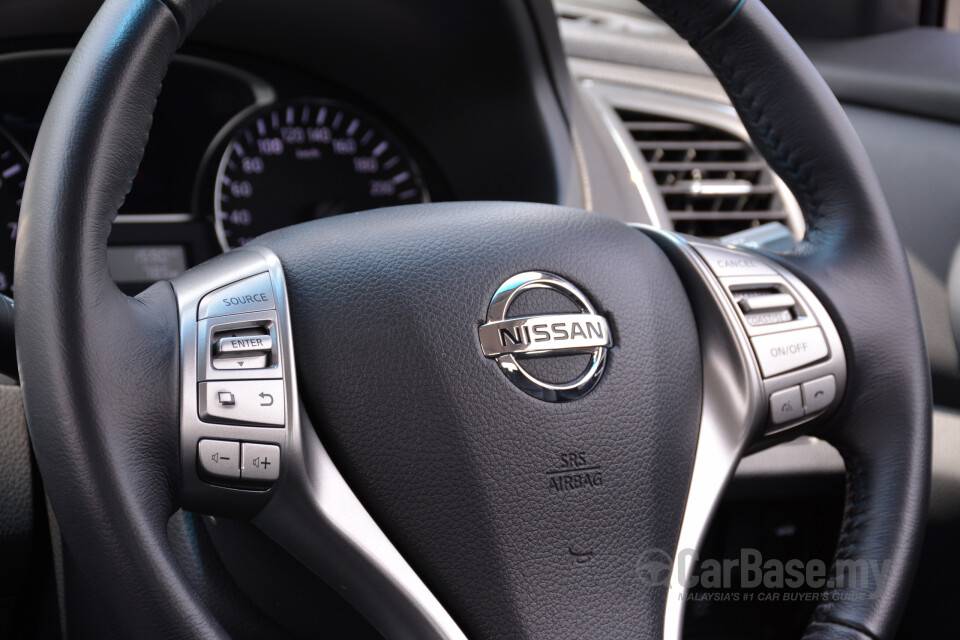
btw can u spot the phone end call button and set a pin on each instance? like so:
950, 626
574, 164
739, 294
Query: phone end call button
819, 393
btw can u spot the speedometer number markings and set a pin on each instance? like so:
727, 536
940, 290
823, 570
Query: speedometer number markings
308, 159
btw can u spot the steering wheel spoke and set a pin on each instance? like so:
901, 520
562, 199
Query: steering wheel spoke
247, 447
766, 333
773, 368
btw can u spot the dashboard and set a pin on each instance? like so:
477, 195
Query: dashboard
234, 153
327, 108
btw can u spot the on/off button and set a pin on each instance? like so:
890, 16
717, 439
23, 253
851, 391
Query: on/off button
782, 352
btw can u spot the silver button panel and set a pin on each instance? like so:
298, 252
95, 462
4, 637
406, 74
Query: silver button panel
285, 478
795, 344
237, 382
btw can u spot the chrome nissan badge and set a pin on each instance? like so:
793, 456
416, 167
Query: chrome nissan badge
513, 340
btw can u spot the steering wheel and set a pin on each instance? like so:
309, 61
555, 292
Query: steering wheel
472, 419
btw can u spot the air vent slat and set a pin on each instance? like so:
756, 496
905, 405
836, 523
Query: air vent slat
708, 189
713, 182
708, 166
766, 216
661, 126
684, 145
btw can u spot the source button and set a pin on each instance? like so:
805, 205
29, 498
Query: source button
250, 294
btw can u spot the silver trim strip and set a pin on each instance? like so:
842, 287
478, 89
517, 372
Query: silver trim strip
640, 176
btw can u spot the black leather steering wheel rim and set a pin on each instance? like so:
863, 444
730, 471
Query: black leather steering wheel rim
110, 464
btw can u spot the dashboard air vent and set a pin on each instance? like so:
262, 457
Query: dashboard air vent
712, 182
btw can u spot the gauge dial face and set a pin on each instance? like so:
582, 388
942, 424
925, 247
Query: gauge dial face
13, 173
307, 159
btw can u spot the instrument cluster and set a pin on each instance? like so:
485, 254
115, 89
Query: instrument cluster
233, 153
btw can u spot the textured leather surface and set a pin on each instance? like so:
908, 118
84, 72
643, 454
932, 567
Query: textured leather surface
237, 556
99, 370
453, 460
189, 13
693, 19
8, 346
852, 258
17, 495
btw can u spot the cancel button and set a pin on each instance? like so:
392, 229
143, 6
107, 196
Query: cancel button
782, 352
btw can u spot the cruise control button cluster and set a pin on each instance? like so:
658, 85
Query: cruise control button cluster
797, 348
244, 402
232, 460
250, 294
782, 352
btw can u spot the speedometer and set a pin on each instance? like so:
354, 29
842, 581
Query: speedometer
13, 172
307, 159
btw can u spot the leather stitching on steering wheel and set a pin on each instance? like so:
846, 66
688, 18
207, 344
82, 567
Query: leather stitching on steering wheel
753, 110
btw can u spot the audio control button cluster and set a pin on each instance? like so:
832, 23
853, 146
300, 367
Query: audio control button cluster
239, 403
247, 462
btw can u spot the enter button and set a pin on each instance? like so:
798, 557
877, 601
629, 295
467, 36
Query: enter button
782, 352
